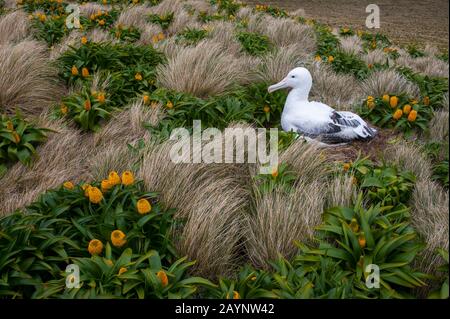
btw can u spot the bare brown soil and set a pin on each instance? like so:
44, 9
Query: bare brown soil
405, 21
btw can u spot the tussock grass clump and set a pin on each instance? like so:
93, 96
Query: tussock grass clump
202, 71
87, 9
388, 82
281, 218
134, 16
426, 65
14, 27
28, 81
341, 191
430, 217
439, 126
334, 89
351, 45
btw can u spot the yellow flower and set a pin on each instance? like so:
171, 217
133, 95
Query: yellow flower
64, 109
412, 116
393, 101
146, 98
138, 77
87, 105
163, 277
362, 240
122, 270
109, 262
275, 172
253, 278
386, 98
354, 225
95, 195
413, 101
101, 97
118, 238
95, 247
114, 178
370, 65
74, 70
330, 58
85, 188
354, 180
42, 18
266, 109
127, 178
106, 185
105, 1
68, 185
84, 72
161, 36
101, 22
155, 39
92, 17
169, 105
9, 126
407, 109
426, 100
347, 166
236, 295
397, 114
143, 206
318, 58
84, 40
16, 137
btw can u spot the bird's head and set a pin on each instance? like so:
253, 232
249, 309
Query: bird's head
298, 78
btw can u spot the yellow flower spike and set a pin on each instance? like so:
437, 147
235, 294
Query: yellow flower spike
155, 39
118, 238
397, 114
426, 100
413, 101
143, 206
9, 126
87, 105
161, 36
84, 40
346, 166
64, 110
362, 240
95, 247
163, 277
101, 22
127, 178
138, 77
253, 278
406, 109
101, 98
95, 195
85, 72
275, 172
74, 70
236, 295
114, 178
42, 18
412, 116
16, 137
85, 188
354, 180
106, 185
109, 262
169, 105
92, 17
330, 58
386, 98
393, 101
266, 109
68, 185
354, 225
146, 98
318, 58
122, 270
105, 1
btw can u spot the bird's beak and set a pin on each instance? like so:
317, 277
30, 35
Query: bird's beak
280, 85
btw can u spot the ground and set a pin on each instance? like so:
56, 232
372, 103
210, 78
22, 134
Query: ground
404, 21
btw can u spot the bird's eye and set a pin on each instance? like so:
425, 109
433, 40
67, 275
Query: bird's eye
293, 76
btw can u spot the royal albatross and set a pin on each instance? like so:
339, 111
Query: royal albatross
315, 120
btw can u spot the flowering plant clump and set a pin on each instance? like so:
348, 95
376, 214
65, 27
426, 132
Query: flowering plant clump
18, 140
107, 230
128, 34
400, 112
163, 21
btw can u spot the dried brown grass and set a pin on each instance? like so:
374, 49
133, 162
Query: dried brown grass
388, 82
14, 27
28, 81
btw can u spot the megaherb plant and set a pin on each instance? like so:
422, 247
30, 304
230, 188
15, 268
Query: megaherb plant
18, 140
163, 21
116, 233
357, 237
191, 36
50, 29
253, 43
47, 7
127, 34
442, 292
401, 112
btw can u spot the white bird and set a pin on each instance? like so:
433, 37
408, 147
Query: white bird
315, 120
